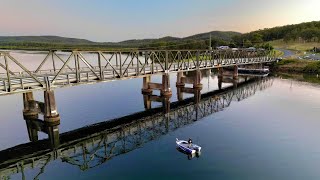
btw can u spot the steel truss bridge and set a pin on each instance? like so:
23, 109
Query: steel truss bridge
58, 69
92, 146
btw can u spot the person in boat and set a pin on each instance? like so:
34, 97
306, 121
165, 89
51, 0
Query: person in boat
189, 142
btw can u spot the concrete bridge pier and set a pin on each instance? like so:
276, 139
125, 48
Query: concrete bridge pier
197, 80
30, 113
180, 93
220, 71
180, 80
166, 90
180, 84
49, 125
196, 85
51, 115
235, 72
145, 86
220, 78
164, 87
146, 101
30, 107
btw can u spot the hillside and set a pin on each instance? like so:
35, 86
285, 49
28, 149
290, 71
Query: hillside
57, 42
219, 35
43, 39
223, 35
306, 32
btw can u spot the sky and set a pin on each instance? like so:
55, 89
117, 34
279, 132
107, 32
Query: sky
118, 20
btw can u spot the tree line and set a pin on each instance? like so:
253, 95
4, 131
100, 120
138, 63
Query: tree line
309, 32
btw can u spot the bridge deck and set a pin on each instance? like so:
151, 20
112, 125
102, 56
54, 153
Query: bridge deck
80, 68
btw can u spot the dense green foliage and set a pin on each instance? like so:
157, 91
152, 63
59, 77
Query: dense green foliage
297, 66
313, 67
309, 31
287, 61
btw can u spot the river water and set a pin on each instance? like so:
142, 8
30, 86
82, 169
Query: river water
272, 132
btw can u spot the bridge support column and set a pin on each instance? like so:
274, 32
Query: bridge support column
180, 80
220, 78
51, 114
235, 72
180, 93
146, 101
220, 71
166, 90
30, 113
30, 107
145, 87
49, 125
197, 80
197, 95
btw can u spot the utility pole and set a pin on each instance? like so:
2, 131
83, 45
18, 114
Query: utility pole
210, 47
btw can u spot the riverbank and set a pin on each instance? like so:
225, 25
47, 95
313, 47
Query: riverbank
294, 45
310, 78
297, 66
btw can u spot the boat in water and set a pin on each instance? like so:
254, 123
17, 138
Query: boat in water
189, 156
264, 70
187, 147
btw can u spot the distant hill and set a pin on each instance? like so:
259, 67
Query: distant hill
43, 39
308, 31
221, 35
57, 42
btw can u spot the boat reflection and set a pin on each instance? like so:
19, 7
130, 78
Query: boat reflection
190, 156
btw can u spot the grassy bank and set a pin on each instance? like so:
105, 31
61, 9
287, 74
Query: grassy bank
294, 45
278, 53
297, 66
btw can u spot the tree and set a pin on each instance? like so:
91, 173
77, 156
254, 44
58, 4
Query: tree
247, 43
232, 45
256, 38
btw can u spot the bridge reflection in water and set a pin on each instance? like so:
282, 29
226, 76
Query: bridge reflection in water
94, 145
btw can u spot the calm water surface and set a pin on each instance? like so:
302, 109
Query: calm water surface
272, 134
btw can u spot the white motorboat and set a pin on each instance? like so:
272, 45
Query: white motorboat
187, 147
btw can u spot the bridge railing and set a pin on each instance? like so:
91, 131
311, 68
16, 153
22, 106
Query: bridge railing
55, 69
